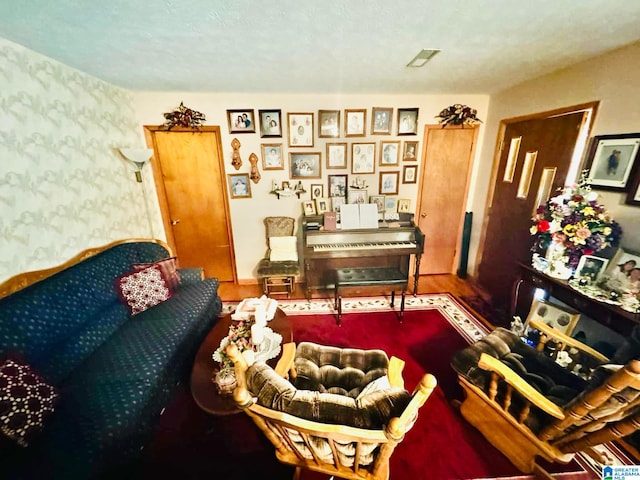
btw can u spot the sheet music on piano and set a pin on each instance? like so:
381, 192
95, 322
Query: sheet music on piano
358, 215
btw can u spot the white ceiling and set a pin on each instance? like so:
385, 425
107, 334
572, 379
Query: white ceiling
330, 46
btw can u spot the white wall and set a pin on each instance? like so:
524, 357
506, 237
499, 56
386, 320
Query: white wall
612, 79
247, 214
63, 186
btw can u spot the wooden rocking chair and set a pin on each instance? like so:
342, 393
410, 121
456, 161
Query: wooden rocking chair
528, 406
344, 451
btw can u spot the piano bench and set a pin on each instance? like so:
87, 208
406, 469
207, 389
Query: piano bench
368, 277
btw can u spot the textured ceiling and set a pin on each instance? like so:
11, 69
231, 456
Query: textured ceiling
330, 46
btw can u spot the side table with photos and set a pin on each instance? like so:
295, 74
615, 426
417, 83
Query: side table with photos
259, 329
608, 313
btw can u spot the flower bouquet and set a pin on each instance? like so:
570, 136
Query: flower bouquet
458, 114
573, 224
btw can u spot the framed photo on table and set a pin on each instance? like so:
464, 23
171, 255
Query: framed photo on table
363, 156
328, 123
355, 122
357, 196
300, 129
270, 123
241, 121
591, 267
381, 119
611, 159
407, 121
272, 156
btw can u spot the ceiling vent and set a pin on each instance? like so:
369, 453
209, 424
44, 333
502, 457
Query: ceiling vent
421, 59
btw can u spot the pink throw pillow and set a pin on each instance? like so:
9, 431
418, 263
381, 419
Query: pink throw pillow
143, 289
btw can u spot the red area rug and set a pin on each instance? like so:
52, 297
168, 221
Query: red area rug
441, 444
191, 444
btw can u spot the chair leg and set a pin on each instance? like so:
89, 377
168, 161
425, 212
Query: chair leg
393, 297
339, 310
402, 305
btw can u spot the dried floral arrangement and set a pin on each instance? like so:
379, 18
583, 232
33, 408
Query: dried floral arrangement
183, 117
458, 114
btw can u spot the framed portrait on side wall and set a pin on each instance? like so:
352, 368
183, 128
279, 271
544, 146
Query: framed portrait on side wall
611, 160
407, 121
300, 129
270, 123
241, 121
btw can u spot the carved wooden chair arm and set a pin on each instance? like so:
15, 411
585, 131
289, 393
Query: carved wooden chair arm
284, 367
394, 372
492, 364
566, 340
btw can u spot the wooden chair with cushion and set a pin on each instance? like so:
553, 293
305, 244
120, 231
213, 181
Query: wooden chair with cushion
528, 406
279, 267
341, 412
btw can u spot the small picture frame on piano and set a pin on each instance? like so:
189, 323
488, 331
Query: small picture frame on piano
336, 202
357, 196
322, 205
309, 207
379, 201
404, 205
390, 204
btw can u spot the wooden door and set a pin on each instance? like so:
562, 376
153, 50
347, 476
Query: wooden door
447, 157
546, 145
189, 172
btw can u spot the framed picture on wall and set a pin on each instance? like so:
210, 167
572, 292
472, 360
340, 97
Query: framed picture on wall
239, 185
410, 151
611, 159
317, 191
404, 205
270, 123
300, 129
355, 122
409, 174
389, 183
381, 119
407, 121
305, 165
378, 200
241, 121
337, 185
328, 123
336, 155
363, 157
272, 156
389, 153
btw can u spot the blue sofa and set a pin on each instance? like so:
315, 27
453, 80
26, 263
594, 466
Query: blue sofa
114, 372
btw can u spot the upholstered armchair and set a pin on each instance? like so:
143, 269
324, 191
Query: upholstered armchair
341, 412
280, 265
528, 406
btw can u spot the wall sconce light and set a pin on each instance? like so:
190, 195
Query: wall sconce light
138, 157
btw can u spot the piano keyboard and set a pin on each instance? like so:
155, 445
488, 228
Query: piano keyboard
334, 247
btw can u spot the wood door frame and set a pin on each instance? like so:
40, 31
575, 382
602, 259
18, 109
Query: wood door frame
149, 131
421, 167
497, 154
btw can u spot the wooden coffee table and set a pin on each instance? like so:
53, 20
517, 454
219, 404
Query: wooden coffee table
203, 389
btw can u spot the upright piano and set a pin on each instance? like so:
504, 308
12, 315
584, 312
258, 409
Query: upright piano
386, 246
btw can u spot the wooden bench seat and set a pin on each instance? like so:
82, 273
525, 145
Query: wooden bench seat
368, 277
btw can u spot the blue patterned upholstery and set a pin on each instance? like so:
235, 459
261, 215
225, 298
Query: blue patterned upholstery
115, 372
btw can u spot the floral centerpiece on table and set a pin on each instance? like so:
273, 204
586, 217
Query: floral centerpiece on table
575, 224
458, 114
240, 335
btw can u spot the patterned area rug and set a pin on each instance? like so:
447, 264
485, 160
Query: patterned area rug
464, 322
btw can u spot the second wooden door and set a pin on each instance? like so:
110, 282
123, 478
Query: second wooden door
191, 186
448, 153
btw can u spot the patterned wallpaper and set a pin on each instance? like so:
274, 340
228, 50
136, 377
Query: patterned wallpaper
63, 185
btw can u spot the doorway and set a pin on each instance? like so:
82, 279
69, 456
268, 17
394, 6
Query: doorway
533, 161
444, 183
188, 169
